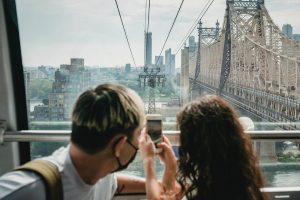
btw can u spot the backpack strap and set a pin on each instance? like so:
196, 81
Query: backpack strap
50, 175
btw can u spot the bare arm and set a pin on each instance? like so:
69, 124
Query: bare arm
167, 156
153, 188
156, 190
130, 184
160, 191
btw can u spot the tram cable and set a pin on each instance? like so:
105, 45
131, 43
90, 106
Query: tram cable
125, 33
169, 31
194, 25
192, 28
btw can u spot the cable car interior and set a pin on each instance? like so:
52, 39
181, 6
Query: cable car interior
51, 51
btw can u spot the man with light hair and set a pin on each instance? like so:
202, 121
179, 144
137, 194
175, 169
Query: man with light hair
106, 124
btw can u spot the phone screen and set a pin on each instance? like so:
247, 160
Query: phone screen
154, 130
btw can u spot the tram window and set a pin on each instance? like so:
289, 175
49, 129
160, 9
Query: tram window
41, 149
70, 46
279, 161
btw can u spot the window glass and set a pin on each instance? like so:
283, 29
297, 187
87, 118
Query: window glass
279, 162
282, 167
68, 46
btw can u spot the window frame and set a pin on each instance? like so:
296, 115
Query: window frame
17, 77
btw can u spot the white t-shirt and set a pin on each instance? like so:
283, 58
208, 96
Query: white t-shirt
74, 187
20, 184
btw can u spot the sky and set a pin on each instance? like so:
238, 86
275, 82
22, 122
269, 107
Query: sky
53, 31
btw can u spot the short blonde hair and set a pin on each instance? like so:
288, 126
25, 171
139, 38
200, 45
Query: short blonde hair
101, 113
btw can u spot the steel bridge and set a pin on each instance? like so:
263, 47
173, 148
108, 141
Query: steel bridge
249, 61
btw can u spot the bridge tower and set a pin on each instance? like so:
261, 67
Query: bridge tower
206, 37
250, 14
244, 20
254, 66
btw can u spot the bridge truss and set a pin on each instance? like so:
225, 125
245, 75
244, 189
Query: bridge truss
253, 62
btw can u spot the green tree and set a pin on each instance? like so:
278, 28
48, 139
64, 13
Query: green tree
168, 89
40, 149
40, 88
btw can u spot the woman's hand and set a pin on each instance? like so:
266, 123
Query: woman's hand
167, 156
167, 190
147, 150
146, 146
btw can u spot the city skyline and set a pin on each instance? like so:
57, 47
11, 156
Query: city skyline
54, 31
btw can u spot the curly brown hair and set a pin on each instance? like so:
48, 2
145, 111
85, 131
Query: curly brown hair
216, 159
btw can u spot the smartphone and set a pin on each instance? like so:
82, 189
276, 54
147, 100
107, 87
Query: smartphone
154, 127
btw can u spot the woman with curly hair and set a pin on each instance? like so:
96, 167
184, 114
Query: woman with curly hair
216, 159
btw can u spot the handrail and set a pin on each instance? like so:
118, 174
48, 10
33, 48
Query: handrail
64, 135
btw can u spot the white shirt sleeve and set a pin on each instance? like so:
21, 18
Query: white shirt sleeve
106, 187
19, 184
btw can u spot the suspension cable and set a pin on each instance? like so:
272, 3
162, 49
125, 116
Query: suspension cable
191, 29
169, 31
125, 33
200, 16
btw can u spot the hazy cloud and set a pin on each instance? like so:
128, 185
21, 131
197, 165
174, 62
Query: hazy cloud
53, 31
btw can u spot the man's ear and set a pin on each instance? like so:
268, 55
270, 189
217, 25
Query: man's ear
119, 144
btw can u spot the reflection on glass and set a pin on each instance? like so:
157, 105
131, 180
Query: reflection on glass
74, 46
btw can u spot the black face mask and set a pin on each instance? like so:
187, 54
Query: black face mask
122, 167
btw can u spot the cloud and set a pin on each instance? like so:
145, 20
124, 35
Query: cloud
283, 12
53, 31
